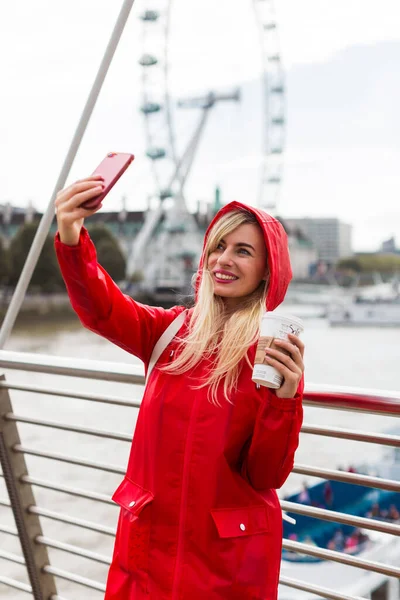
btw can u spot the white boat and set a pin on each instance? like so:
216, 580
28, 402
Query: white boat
321, 295
360, 501
377, 305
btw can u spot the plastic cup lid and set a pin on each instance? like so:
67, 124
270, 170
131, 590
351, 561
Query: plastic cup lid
284, 317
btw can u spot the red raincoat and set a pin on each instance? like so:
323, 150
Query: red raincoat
200, 517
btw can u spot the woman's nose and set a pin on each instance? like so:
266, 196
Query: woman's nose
225, 258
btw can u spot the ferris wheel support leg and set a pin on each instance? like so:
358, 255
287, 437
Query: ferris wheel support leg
187, 158
45, 223
193, 146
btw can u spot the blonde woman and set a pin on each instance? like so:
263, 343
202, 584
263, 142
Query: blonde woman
200, 518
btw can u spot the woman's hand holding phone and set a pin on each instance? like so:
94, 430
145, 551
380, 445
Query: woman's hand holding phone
69, 211
84, 198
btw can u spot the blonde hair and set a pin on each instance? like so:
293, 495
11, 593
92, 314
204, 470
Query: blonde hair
216, 335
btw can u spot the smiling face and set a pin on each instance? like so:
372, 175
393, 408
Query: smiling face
238, 263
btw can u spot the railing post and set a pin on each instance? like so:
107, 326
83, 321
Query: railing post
393, 589
21, 498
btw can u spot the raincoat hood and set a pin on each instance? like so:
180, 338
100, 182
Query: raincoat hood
276, 242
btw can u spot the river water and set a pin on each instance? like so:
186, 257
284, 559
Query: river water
362, 357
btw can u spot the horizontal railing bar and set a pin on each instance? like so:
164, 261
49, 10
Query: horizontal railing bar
8, 530
347, 398
94, 585
118, 401
12, 557
341, 557
70, 459
327, 396
45, 541
336, 390
49, 514
23, 587
122, 437
338, 517
347, 434
353, 404
392, 441
57, 365
351, 434
354, 478
37, 389
67, 490
3, 501
340, 475
314, 589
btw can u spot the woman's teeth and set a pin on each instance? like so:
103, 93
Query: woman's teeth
222, 276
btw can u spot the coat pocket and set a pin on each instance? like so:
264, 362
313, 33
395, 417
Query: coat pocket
241, 548
134, 525
240, 522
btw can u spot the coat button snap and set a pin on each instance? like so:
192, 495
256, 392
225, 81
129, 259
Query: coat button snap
132, 503
242, 527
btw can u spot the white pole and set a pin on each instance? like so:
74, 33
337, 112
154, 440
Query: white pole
46, 220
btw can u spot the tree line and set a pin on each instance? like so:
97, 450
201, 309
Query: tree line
47, 277
385, 264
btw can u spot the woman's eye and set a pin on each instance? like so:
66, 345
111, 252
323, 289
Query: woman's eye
219, 247
245, 251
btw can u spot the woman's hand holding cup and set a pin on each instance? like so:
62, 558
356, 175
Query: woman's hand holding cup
288, 362
279, 356
68, 207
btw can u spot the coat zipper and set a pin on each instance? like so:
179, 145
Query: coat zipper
183, 507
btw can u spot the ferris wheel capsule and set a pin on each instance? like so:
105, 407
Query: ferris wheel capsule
156, 153
150, 16
147, 60
166, 193
150, 108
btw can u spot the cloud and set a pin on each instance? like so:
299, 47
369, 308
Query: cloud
342, 135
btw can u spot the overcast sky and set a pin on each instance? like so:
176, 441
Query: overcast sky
50, 51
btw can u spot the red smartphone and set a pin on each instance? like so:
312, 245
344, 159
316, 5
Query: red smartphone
111, 168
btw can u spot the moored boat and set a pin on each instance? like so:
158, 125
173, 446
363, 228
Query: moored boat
377, 305
356, 500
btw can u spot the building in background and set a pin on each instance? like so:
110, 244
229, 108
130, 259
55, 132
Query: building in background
389, 246
303, 254
330, 236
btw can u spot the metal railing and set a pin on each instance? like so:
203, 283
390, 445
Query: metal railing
30, 517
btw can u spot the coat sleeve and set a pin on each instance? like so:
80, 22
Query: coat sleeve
270, 455
103, 308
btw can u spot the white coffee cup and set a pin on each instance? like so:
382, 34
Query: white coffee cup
273, 326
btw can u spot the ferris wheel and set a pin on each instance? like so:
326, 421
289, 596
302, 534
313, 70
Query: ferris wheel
158, 111
170, 161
